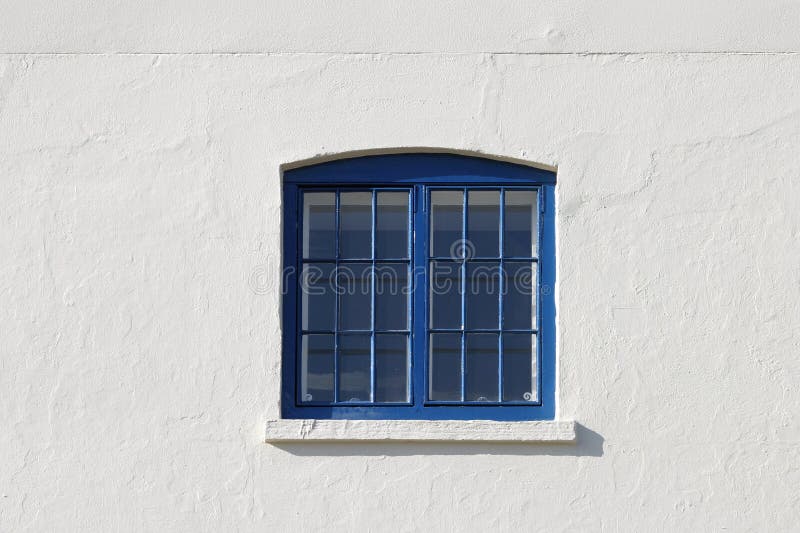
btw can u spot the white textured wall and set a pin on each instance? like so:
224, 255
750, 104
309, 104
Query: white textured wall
139, 336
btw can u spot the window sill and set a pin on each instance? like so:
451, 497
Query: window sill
297, 430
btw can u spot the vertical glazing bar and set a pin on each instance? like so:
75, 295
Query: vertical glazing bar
372, 299
539, 229
463, 292
502, 286
336, 307
412, 208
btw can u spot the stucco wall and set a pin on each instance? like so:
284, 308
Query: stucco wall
139, 260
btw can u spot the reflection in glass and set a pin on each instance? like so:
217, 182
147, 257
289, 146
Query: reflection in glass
316, 368
519, 298
521, 221
446, 222
519, 368
319, 225
354, 368
391, 296
354, 284
483, 223
483, 295
482, 363
445, 295
445, 367
391, 368
355, 225
317, 286
391, 225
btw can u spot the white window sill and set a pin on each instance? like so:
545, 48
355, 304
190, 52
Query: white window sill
287, 430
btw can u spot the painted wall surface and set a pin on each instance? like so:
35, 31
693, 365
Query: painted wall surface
139, 260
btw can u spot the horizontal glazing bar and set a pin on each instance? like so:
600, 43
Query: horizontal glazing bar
356, 260
472, 259
478, 330
363, 331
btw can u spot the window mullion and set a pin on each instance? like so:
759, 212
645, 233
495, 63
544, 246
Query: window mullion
338, 298
463, 249
372, 300
501, 288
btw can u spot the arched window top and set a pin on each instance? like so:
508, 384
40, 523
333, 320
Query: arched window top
412, 166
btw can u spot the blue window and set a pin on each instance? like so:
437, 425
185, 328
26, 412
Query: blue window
419, 286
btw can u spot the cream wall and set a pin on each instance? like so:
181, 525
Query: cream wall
139, 259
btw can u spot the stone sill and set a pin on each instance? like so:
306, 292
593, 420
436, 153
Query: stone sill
288, 430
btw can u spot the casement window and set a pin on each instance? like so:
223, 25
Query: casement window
418, 286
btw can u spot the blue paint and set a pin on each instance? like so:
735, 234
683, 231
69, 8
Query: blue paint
418, 174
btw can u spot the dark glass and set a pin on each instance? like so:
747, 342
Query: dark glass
354, 368
391, 225
482, 295
446, 222
391, 296
355, 225
483, 223
316, 368
482, 364
317, 287
354, 284
445, 295
521, 237
319, 225
445, 367
519, 368
519, 299
391, 368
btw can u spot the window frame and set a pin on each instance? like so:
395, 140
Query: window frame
420, 173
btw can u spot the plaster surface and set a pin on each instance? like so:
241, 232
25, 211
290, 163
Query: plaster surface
140, 274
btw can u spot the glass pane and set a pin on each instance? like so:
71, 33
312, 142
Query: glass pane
355, 225
391, 368
482, 363
521, 220
483, 295
391, 296
354, 368
319, 225
519, 368
316, 368
317, 286
445, 295
445, 367
446, 223
354, 284
483, 223
519, 300
391, 232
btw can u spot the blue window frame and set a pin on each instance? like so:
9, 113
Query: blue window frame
419, 286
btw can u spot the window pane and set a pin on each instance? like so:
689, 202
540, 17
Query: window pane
316, 368
483, 295
319, 298
319, 225
355, 225
482, 364
519, 368
391, 232
391, 368
445, 295
483, 223
354, 284
354, 368
445, 367
519, 300
391, 296
446, 222
521, 221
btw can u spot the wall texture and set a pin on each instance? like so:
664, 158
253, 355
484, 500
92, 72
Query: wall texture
139, 259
